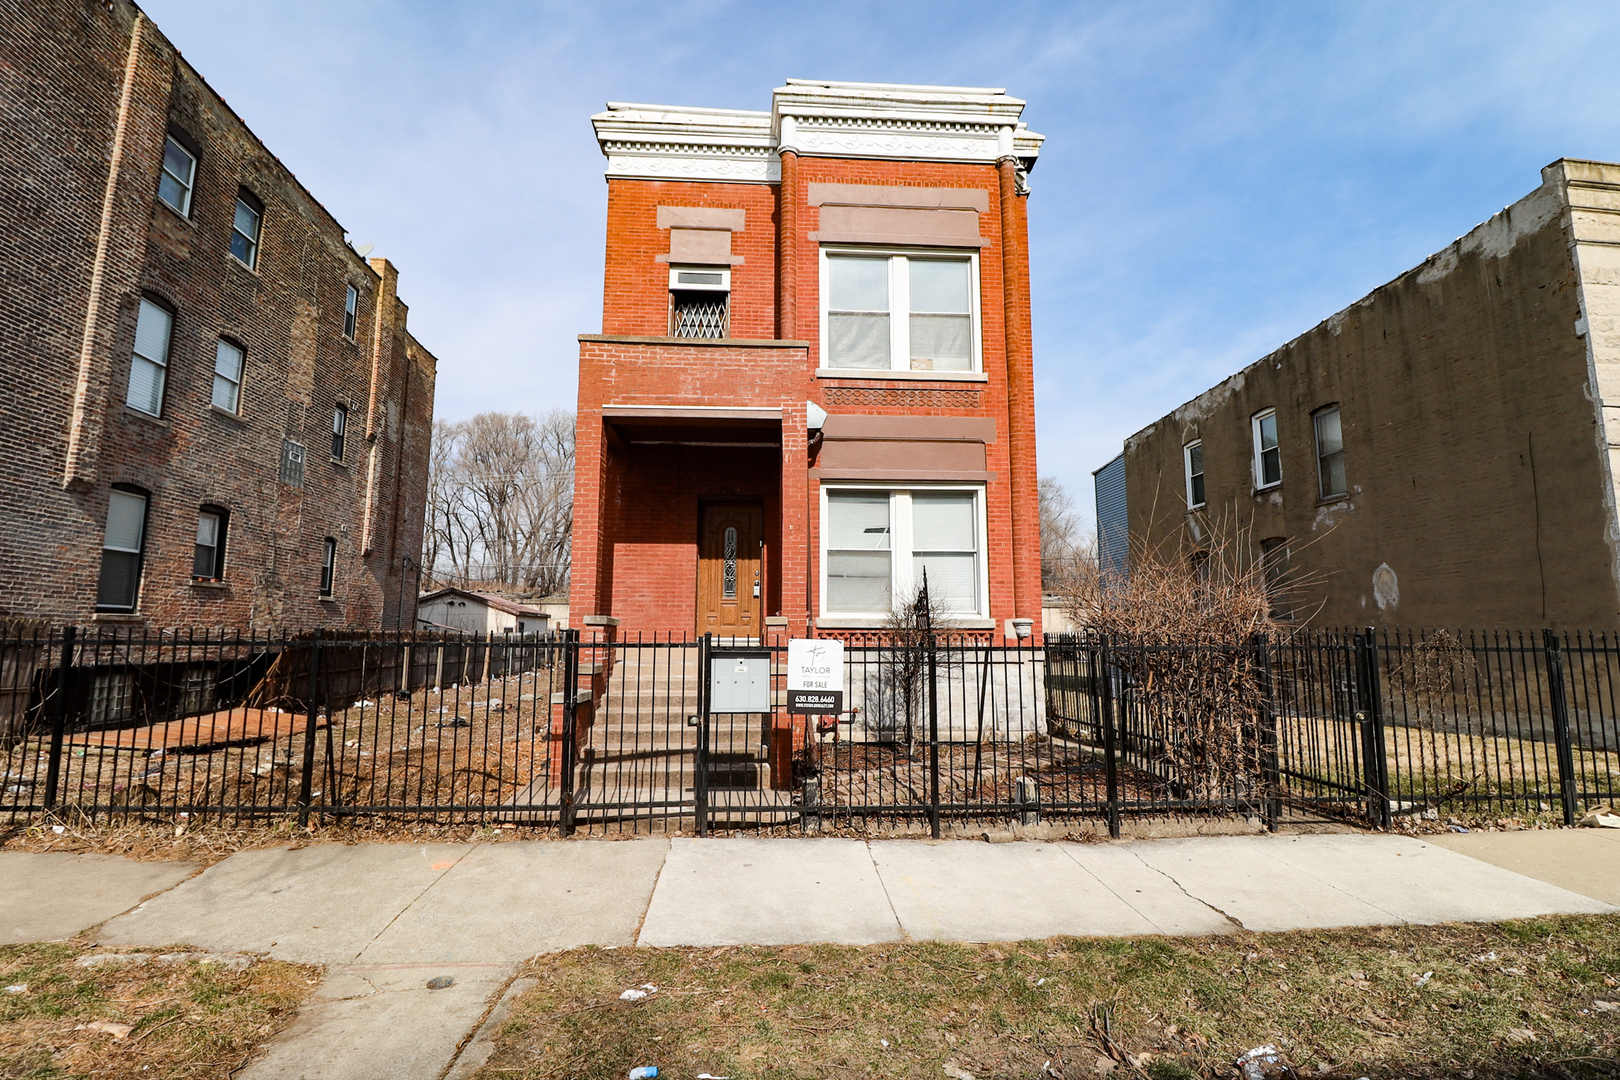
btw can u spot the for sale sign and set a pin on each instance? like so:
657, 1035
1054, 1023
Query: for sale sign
815, 676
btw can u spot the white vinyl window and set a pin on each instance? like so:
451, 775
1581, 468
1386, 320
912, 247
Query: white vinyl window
877, 543
1330, 453
150, 364
245, 230
351, 312
1267, 456
227, 376
1193, 458
891, 312
122, 549
178, 174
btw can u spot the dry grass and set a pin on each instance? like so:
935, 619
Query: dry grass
186, 1019
1511, 1000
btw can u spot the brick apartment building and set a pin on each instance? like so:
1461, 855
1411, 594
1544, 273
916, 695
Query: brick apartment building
1443, 452
814, 374
214, 415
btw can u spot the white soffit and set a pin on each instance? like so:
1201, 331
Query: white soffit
820, 119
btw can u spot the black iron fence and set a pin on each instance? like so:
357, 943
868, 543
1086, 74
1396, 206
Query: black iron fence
619, 733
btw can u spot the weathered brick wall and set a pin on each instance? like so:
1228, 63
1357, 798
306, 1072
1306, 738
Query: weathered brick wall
1471, 446
287, 313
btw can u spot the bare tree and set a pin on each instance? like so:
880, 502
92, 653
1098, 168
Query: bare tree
501, 502
1059, 533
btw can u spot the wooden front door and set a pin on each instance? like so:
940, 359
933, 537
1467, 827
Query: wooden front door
731, 583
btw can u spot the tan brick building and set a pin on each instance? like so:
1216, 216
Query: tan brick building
1440, 453
213, 412
814, 373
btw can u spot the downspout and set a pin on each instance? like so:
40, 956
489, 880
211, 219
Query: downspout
75, 470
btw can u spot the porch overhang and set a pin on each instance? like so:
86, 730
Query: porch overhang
694, 425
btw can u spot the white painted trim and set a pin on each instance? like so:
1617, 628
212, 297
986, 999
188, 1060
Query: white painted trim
1260, 483
1187, 475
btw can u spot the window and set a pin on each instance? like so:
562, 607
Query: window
245, 230
150, 364
1274, 567
122, 549
176, 177
878, 544
227, 376
899, 312
208, 559
1330, 453
328, 565
1267, 458
351, 312
1193, 456
340, 424
699, 302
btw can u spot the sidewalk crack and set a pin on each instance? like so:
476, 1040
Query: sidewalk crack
414, 900
905, 935
1197, 899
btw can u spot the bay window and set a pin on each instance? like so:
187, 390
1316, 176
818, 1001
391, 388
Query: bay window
877, 543
899, 312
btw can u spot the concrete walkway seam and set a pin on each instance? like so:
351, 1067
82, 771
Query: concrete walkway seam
414, 900
905, 934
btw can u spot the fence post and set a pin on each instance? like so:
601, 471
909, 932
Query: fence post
925, 616
1270, 780
307, 780
59, 715
1374, 757
700, 781
1110, 734
570, 722
1560, 717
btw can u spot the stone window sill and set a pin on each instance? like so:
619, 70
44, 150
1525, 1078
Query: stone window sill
117, 617
217, 411
903, 376
851, 622
206, 583
131, 412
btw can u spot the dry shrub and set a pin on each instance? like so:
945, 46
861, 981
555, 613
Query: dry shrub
1183, 630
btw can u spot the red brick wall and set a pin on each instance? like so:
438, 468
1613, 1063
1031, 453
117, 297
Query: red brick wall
661, 587
635, 294
287, 313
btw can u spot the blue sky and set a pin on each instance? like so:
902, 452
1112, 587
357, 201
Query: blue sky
1218, 176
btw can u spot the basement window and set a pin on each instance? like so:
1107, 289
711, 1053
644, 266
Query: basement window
699, 302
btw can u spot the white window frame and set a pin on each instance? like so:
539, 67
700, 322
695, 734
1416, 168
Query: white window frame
1260, 481
1316, 434
1187, 471
901, 581
252, 261
161, 363
351, 310
235, 385
900, 317
187, 184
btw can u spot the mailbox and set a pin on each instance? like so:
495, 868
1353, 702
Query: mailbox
740, 682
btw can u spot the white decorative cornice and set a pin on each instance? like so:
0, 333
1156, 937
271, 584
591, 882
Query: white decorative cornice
817, 119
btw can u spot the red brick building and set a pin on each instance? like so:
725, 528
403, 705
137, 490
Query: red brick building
814, 377
213, 413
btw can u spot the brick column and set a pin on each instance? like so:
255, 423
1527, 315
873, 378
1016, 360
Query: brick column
584, 593
787, 247
1026, 514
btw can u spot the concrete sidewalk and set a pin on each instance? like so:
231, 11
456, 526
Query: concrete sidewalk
386, 918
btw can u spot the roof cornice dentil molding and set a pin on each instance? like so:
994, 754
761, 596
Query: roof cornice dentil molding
817, 119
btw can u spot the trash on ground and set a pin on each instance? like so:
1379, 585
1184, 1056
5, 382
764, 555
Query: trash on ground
58, 829
1601, 817
1423, 980
1264, 1063
643, 1072
1456, 828
637, 993
17, 988
711, 1076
